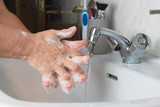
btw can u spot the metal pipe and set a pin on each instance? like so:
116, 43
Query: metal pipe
154, 11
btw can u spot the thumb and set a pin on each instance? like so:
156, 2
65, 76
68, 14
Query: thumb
66, 33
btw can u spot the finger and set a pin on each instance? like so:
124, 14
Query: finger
53, 41
69, 85
66, 86
66, 33
68, 63
74, 52
79, 70
62, 72
80, 59
75, 44
45, 84
49, 80
78, 77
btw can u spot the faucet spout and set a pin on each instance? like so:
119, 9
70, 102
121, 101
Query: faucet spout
131, 52
114, 36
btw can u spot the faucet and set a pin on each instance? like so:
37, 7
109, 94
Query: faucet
131, 52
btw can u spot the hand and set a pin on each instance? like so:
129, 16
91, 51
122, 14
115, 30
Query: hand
58, 61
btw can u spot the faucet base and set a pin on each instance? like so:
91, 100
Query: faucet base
131, 60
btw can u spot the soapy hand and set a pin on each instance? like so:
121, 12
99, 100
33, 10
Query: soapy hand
58, 60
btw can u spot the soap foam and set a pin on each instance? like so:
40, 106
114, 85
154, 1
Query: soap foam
77, 77
67, 33
81, 47
47, 79
24, 57
17, 35
74, 45
79, 59
64, 34
50, 41
24, 34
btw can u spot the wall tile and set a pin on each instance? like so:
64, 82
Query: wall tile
127, 32
125, 12
138, 20
145, 19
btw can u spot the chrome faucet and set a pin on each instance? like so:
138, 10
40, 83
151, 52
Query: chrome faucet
131, 52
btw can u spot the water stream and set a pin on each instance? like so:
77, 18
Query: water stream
88, 71
87, 68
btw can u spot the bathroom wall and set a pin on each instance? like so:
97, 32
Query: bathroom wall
68, 17
128, 17
132, 16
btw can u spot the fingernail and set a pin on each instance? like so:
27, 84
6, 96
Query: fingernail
66, 86
45, 84
83, 77
79, 77
69, 85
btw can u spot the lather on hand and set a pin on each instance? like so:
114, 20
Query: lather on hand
58, 61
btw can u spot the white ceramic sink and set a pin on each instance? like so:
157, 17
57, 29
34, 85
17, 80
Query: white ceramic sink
111, 80
110, 83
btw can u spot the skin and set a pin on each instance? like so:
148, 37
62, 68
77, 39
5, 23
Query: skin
8, 18
53, 60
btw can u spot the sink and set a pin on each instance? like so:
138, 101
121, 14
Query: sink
110, 82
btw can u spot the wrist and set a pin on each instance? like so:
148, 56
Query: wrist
24, 45
15, 43
28, 46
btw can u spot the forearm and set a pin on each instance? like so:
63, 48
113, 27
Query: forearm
8, 18
15, 43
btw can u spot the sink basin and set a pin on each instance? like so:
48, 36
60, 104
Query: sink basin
110, 82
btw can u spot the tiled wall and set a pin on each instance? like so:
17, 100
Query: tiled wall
128, 17
132, 16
